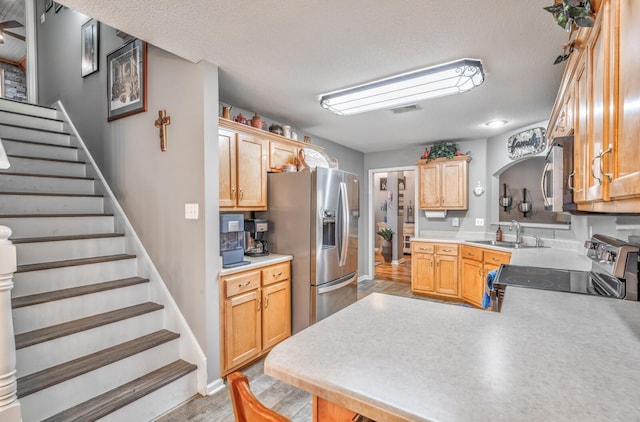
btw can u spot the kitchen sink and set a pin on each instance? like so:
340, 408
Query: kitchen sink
505, 244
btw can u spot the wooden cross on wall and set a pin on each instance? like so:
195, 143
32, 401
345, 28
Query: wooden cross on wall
161, 123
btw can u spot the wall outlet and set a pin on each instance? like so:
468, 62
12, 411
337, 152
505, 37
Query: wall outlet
191, 211
42, 18
455, 222
479, 221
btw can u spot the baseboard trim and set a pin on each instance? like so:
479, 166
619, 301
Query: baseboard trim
364, 278
215, 386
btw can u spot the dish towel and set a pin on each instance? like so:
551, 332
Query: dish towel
486, 297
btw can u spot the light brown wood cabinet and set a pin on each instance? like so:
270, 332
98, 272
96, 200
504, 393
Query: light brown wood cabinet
282, 153
434, 269
242, 171
476, 264
444, 183
601, 87
256, 313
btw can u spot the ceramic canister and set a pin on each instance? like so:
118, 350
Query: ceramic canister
286, 131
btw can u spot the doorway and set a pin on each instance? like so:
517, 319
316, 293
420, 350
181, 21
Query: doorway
392, 202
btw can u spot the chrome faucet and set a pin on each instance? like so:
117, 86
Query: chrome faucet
515, 224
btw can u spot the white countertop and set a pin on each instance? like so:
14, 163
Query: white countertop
256, 262
548, 356
548, 257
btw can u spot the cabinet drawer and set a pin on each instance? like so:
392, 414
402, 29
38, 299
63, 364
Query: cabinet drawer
275, 273
496, 258
421, 247
451, 250
242, 282
471, 252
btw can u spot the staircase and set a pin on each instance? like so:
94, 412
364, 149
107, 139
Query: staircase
90, 341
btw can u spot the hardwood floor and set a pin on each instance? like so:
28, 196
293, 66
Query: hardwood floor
399, 272
290, 401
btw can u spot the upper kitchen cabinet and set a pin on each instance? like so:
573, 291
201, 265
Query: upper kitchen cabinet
444, 183
242, 170
601, 89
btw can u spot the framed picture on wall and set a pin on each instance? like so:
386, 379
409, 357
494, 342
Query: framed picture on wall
48, 4
127, 80
89, 47
383, 183
401, 183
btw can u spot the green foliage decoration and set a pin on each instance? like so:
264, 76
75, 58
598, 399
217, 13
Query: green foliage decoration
386, 234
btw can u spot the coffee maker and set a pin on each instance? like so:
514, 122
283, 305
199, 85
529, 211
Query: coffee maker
231, 232
254, 232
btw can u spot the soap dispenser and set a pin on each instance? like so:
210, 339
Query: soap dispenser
499, 234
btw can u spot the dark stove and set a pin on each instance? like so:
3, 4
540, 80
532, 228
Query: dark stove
614, 273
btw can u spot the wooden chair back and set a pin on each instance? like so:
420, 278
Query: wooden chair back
246, 406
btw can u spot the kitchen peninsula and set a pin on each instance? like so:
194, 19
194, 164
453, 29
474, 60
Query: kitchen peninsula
547, 356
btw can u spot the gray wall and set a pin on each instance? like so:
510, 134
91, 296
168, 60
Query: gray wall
152, 186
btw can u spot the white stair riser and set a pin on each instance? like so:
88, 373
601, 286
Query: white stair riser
43, 315
30, 121
57, 398
19, 107
57, 226
56, 168
159, 402
26, 134
32, 253
44, 204
33, 282
39, 150
12, 183
50, 353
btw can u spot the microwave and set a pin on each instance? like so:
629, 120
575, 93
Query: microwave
557, 176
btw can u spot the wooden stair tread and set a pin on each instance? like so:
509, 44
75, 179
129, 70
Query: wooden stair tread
55, 215
62, 238
67, 328
35, 299
57, 160
52, 176
72, 262
46, 378
32, 115
56, 132
119, 397
72, 195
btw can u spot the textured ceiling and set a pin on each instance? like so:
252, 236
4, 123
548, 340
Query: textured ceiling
277, 57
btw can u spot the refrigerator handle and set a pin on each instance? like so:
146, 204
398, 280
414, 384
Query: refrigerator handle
344, 235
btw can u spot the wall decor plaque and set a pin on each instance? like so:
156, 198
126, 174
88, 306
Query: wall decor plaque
527, 142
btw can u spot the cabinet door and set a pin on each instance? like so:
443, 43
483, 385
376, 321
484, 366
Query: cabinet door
429, 196
626, 148
454, 182
581, 164
252, 172
472, 281
446, 275
599, 135
227, 168
242, 328
281, 154
276, 314
422, 272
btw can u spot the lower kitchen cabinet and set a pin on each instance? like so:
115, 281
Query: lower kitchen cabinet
476, 264
434, 269
256, 313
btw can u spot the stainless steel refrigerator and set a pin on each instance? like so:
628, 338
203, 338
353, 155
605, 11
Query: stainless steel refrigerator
313, 215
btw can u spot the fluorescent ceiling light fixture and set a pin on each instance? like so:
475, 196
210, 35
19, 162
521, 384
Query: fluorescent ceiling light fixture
437, 81
496, 123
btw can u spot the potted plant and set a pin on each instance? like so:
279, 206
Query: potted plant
570, 15
383, 208
387, 235
442, 149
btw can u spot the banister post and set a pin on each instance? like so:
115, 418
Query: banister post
9, 405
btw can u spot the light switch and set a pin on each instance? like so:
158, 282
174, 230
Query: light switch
479, 221
42, 18
455, 221
191, 211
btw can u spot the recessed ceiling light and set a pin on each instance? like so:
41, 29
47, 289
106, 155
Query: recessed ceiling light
496, 123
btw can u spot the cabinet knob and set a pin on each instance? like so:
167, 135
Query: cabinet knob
266, 301
241, 194
245, 284
447, 250
233, 193
495, 259
277, 275
259, 304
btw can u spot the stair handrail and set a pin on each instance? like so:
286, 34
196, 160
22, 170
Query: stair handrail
4, 160
9, 404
